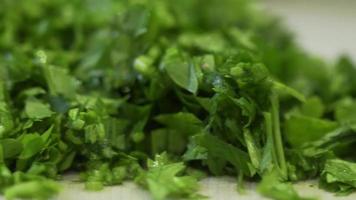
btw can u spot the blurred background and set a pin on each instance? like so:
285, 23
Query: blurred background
324, 27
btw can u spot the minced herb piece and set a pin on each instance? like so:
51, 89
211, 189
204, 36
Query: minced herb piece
164, 92
271, 186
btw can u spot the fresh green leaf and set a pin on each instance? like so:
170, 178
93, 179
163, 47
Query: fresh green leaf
59, 81
217, 148
301, 129
180, 69
32, 144
10, 147
339, 176
271, 186
163, 180
33, 189
36, 110
345, 112
183, 122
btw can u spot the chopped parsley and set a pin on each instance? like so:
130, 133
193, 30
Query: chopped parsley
165, 92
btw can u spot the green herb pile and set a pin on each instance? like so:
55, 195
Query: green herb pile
164, 93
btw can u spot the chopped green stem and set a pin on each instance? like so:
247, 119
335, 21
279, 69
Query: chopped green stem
269, 133
277, 137
240, 183
284, 88
251, 148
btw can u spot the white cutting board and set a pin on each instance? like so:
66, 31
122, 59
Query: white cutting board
223, 188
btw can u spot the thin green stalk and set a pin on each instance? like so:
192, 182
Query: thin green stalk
288, 90
278, 144
270, 138
1, 155
241, 189
252, 149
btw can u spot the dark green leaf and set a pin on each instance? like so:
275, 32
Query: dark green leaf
10, 147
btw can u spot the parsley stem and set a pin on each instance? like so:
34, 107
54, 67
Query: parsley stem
269, 134
277, 135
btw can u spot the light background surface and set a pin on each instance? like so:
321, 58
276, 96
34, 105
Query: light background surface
324, 27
